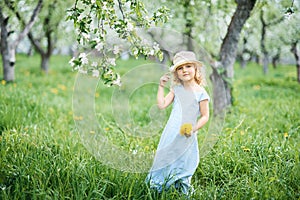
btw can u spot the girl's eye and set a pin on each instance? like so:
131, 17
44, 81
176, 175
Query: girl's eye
188, 66
179, 68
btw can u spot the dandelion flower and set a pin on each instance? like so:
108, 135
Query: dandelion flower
54, 90
62, 87
78, 118
256, 87
186, 129
245, 149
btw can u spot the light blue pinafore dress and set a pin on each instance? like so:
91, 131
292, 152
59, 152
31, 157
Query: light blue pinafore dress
177, 156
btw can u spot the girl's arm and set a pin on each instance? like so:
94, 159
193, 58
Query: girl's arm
164, 101
204, 110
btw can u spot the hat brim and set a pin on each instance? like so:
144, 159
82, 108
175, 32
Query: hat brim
174, 67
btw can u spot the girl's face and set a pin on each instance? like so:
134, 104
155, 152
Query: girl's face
186, 72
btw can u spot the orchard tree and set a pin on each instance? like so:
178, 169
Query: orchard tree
202, 22
268, 17
223, 71
48, 30
291, 34
246, 51
8, 47
267, 40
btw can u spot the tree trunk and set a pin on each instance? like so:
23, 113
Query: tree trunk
265, 64
298, 71
262, 43
219, 93
8, 61
275, 59
8, 51
243, 63
256, 58
264, 50
45, 54
189, 24
48, 28
45, 63
296, 53
223, 74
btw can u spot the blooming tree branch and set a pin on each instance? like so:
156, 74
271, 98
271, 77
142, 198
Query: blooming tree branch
96, 21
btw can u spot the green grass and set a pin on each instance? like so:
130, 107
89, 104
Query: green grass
42, 156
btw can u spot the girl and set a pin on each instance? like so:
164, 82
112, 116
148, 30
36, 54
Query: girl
177, 154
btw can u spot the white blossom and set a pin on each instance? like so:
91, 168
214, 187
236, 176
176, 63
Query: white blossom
158, 14
94, 64
93, 26
117, 81
130, 26
71, 62
95, 73
99, 46
85, 36
116, 50
97, 40
146, 18
84, 58
151, 52
135, 51
81, 16
112, 61
156, 46
93, 1
127, 4
288, 16
104, 6
82, 55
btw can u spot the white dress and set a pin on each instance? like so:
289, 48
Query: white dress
177, 156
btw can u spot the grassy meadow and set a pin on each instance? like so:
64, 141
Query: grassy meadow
42, 156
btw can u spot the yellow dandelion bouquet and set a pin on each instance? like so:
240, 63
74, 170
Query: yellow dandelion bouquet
186, 129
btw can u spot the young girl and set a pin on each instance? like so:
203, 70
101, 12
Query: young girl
177, 155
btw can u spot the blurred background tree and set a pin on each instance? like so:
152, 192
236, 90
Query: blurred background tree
49, 29
8, 11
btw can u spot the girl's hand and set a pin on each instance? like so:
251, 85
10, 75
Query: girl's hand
164, 79
190, 134
187, 135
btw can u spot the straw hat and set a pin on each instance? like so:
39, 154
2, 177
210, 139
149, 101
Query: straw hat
184, 57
